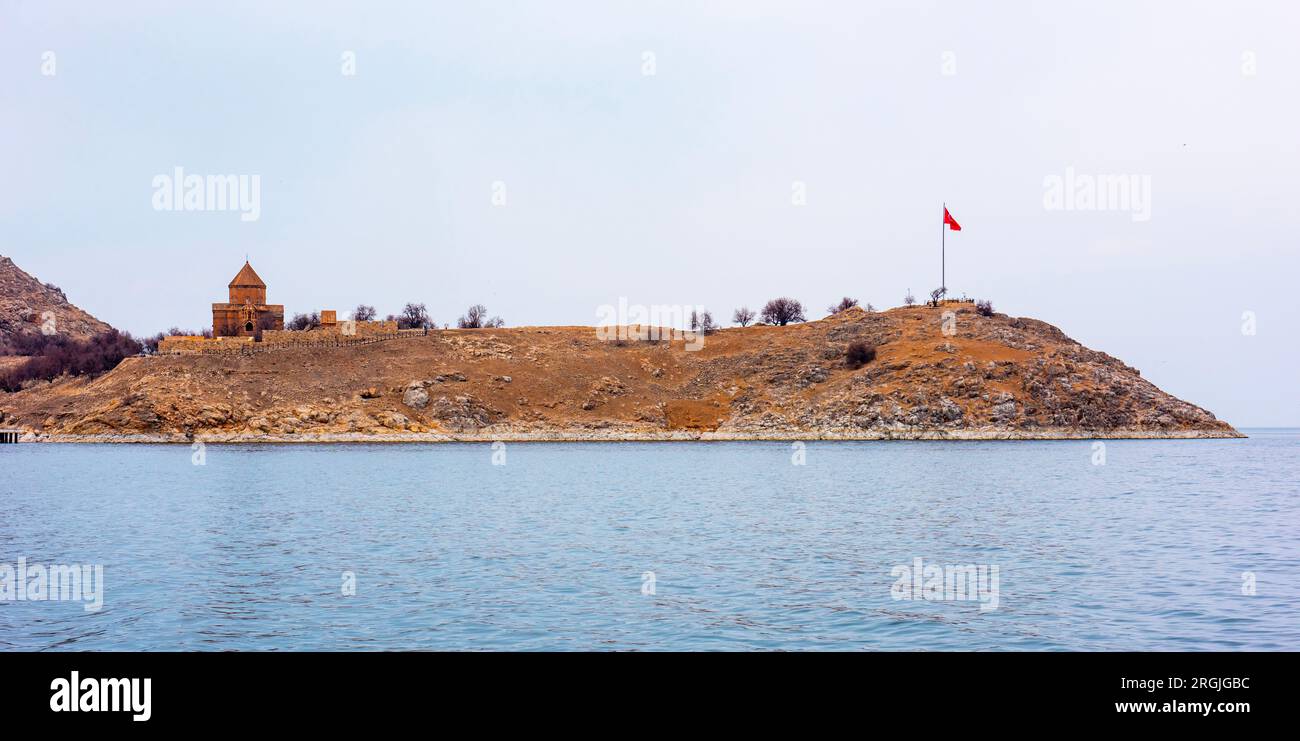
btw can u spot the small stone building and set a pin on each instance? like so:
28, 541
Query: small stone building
247, 314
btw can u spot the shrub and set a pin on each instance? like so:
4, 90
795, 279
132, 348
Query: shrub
303, 322
859, 354
984, 307
54, 356
782, 311
909, 299
743, 316
363, 313
845, 304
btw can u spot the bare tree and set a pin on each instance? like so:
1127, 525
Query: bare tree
743, 316
782, 311
937, 295
414, 316
473, 318
845, 304
909, 299
707, 326
363, 313
304, 322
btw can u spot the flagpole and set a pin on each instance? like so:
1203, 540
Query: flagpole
943, 228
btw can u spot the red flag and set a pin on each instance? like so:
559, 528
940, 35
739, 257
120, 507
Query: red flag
950, 221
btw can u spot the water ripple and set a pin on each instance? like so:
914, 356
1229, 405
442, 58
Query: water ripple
249, 552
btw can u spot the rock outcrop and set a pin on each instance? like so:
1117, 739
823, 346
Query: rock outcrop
29, 307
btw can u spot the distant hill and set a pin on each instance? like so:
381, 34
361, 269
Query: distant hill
30, 307
935, 375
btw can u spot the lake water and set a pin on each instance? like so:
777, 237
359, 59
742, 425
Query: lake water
660, 545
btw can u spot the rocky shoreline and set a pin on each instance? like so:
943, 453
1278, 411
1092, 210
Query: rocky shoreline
563, 436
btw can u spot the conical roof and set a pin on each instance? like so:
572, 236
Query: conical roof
247, 278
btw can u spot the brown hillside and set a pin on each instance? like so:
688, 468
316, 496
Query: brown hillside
995, 377
26, 304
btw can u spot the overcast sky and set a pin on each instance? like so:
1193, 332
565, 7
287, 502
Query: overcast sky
714, 153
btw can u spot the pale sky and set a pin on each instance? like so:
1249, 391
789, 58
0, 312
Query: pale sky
677, 187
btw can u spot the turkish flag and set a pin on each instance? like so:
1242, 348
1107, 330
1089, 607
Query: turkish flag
950, 221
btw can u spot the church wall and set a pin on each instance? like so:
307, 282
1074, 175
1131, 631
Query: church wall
227, 319
253, 295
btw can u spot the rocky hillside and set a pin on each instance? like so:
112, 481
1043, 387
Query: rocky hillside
29, 307
992, 377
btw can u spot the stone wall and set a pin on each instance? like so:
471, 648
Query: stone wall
338, 335
342, 329
183, 344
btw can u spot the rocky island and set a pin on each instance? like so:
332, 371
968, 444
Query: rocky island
938, 372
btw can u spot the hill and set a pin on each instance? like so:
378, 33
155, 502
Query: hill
993, 377
29, 307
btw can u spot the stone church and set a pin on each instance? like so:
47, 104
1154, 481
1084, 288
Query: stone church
247, 314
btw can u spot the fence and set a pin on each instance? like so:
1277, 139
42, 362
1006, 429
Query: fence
283, 342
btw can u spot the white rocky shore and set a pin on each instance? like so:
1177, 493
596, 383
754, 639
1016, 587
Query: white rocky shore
562, 436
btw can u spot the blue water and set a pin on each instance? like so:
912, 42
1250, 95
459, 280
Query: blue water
748, 551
